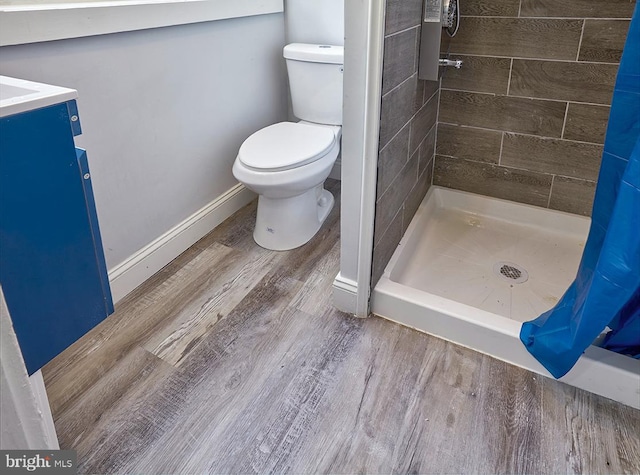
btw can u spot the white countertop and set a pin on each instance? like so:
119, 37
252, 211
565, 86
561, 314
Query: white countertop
19, 95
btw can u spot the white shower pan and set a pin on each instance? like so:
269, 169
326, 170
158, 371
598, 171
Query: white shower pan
470, 269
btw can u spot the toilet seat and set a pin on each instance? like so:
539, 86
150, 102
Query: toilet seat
286, 145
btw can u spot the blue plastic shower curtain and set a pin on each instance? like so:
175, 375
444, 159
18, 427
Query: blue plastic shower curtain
606, 291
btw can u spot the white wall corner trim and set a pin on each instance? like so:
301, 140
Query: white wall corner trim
364, 44
42, 403
373, 106
24, 406
132, 272
345, 294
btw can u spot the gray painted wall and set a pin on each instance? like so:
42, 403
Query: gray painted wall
163, 112
315, 22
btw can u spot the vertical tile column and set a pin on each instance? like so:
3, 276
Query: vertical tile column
407, 131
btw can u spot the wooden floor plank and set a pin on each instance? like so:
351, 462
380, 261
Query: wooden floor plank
90, 358
233, 360
97, 403
211, 297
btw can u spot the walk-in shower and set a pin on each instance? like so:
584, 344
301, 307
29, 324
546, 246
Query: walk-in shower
466, 219
471, 269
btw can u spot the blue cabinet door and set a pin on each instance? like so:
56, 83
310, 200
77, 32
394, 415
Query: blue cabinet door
52, 267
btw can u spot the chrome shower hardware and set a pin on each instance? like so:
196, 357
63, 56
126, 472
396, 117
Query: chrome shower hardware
456, 63
440, 22
451, 16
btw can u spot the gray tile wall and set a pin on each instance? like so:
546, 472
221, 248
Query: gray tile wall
525, 117
407, 131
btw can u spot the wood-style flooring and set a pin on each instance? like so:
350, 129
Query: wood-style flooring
232, 360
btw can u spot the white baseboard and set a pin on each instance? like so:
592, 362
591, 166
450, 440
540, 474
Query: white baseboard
132, 272
345, 294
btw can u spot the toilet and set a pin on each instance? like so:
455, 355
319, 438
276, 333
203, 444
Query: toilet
287, 163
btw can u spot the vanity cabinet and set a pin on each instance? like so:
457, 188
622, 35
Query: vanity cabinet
52, 266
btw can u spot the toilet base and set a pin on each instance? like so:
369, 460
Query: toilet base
287, 223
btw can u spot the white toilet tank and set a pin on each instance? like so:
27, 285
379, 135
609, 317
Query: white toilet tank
315, 81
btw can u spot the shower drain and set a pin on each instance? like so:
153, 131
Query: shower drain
511, 272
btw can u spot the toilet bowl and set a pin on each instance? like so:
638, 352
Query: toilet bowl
286, 164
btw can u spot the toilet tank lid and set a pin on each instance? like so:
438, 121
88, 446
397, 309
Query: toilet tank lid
330, 54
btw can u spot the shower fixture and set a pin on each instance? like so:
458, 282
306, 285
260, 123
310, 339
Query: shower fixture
456, 63
440, 23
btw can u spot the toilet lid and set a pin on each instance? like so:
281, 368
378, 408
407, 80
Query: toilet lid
286, 145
